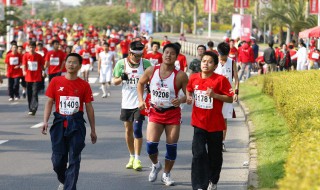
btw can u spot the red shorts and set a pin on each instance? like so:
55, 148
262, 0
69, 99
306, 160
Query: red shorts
169, 117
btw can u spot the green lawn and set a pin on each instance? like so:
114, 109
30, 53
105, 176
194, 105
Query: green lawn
271, 133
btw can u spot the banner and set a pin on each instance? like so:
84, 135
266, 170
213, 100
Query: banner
160, 5
213, 6
130, 6
146, 22
17, 3
314, 6
237, 4
241, 26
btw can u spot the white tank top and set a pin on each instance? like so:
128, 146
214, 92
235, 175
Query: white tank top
129, 87
225, 70
106, 58
163, 91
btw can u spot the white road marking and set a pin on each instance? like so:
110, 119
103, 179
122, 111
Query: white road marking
96, 94
93, 80
14, 103
37, 125
3, 141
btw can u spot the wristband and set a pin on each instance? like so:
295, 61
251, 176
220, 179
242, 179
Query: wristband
236, 91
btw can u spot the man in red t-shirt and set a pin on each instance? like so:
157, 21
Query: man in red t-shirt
86, 66
33, 65
54, 60
14, 72
208, 91
124, 45
154, 57
165, 41
69, 94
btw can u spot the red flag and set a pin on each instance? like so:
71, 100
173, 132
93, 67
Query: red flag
237, 4
213, 6
160, 5
13, 2
314, 6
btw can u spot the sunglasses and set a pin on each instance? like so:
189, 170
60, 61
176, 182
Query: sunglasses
136, 55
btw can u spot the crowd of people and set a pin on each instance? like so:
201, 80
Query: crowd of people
154, 85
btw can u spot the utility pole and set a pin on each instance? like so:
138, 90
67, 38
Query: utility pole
157, 15
9, 33
209, 19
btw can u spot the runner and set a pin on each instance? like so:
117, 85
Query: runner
106, 63
208, 91
68, 131
13, 62
154, 57
86, 65
54, 61
228, 68
165, 41
22, 81
33, 65
127, 72
165, 112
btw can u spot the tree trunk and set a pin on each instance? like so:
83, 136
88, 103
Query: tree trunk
194, 19
280, 35
171, 28
288, 35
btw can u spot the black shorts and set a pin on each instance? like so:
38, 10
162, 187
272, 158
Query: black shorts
131, 115
94, 59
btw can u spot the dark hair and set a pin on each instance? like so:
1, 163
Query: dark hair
13, 42
178, 44
157, 43
210, 44
75, 55
54, 41
301, 42
270, 44
106, 44
290, 46
213, 55
136, 45
39, 44
204, 47
33, 44
174, 46
223, 48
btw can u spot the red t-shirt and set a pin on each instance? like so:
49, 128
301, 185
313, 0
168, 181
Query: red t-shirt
124, 44
92, 48
233, 54
34, 64
207, 112
69, 95
85, 53
55, 59
181, 62
12, 61
154, 59
165, 43
112, 42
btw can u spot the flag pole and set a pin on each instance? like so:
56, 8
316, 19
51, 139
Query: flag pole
209, 19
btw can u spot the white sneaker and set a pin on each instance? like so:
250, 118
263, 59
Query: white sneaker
212, 186
104, 96
108, 94
61, 186
10, 99
166, 179
154, 172
16, 98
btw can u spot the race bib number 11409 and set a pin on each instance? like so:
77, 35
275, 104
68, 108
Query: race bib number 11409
69, 105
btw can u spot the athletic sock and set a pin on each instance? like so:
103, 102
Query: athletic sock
136, 157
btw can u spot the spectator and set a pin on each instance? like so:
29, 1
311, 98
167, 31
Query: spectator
270, 58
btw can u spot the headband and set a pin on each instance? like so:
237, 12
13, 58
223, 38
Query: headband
136, 51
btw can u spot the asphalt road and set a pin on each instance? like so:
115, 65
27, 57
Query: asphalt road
25, 154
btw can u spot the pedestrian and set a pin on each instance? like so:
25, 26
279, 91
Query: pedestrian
228, 68
165, 112
165, 41
106, 64
284, 59
54, 60
195, 64
269, 57
210, 45
245, 59
128, 72
33, 66
13, 63
68, 94
302, 55
208, 91
22, 79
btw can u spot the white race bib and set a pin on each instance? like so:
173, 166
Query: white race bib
133, 80
161, 96
153, 61
93, 50
14, 61
86, 55
61, 36
315, 55
202, 100
54, 61
69, 105
32, 65
177, 65
232, 55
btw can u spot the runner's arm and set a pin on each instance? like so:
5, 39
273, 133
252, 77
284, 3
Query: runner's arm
46, 115
236, 80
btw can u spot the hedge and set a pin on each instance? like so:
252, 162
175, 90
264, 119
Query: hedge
297, 97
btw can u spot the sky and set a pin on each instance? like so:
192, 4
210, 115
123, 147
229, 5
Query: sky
71, 2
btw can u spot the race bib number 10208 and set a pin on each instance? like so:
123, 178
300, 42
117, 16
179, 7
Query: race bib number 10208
69, 105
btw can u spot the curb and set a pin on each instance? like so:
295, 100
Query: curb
253, 180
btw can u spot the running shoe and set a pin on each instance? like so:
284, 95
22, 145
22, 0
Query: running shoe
61, 186
104, 96
224, 148
212, 186
167, 180
108, 94
130, 163
154, 172
137, 165
10, 99
16, 98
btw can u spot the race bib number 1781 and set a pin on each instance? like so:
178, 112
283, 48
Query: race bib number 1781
202, 100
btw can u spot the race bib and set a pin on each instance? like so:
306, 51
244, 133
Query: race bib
177, 65
61, 36
232, 55
202, 100
112, 44
32, 65
48, 37
133, 80
315, 55
14, 60
153, 61
54, 61
69, 105
161, 96
93, 50
86, 55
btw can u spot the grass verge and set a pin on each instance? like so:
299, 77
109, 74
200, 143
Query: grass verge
271, 133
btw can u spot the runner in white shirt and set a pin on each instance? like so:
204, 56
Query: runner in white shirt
227, 67
106, 63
